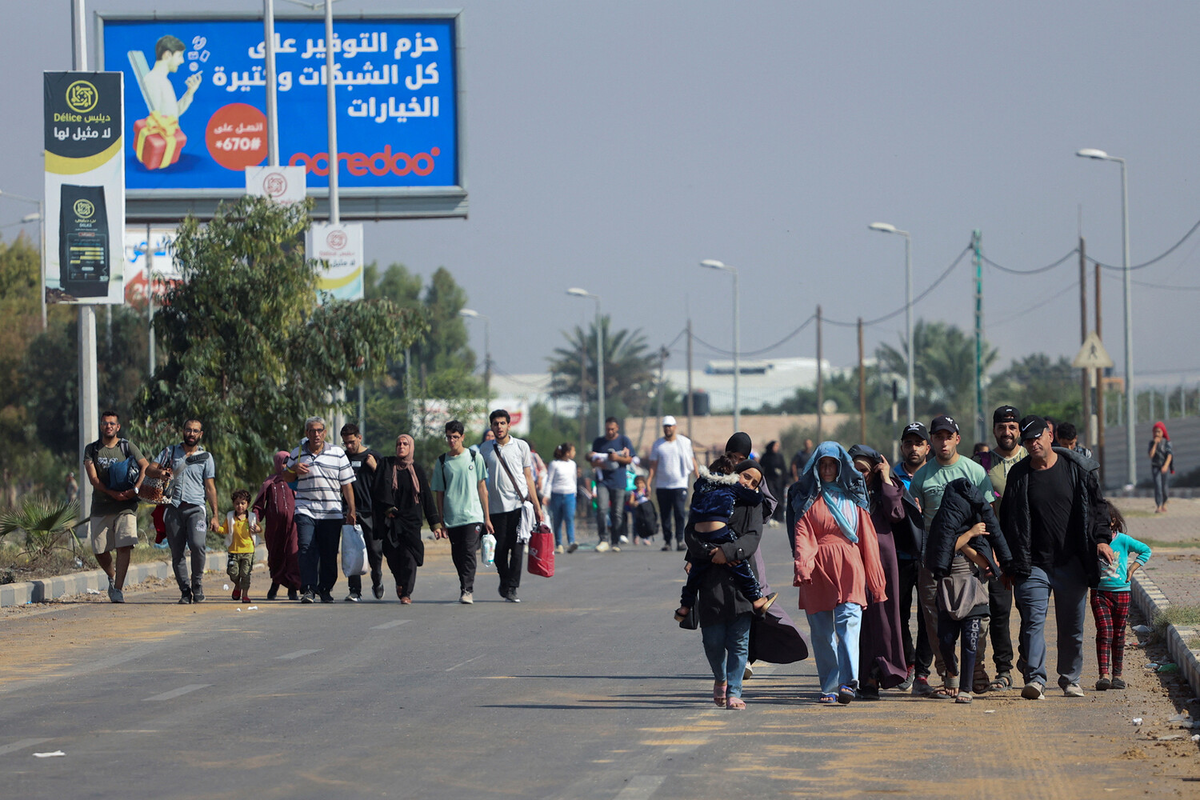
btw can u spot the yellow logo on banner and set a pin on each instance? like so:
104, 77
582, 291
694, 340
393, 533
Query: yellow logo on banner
82, 96
84, 208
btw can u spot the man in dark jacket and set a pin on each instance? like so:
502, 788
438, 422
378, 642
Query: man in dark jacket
1056, 524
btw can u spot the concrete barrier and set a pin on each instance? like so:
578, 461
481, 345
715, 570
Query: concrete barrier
1151, 601
46, 589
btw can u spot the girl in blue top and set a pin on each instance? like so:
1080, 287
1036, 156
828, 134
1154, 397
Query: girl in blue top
1110, 601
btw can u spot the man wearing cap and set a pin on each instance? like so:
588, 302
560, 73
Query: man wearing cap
1056, 522
672, 463
921, 653
928, 485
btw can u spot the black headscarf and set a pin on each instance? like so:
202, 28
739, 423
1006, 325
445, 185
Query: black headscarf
739, 443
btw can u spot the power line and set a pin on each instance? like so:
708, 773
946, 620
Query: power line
1154, 260
916, 299
1045, 302
1046, 268
1150, 285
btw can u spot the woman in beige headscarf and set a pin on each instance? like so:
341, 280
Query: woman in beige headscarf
400, 496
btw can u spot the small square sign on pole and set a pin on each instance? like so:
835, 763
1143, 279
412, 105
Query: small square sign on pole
282, 184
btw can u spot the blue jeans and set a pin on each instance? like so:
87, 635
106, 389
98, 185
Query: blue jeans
610, 516
672, 506
727, 645
562, 511
1032, 594
1162, 482
318, 540
835, 645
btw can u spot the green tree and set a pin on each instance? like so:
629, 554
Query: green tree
630, 369
943, 368
1036, 384
249, 351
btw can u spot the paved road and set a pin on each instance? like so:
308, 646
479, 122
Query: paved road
585, 690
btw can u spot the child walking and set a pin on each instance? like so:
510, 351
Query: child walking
241, 531
1110, 602
718, 489
645, 517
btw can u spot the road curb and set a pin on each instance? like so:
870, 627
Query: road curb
1151, 601
46, 589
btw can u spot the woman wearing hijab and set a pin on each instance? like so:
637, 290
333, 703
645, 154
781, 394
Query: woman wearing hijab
775, 473
1162, 464
881, 659
837, 561
276, 506
400, 496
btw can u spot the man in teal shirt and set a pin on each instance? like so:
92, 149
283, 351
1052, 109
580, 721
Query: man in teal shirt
928, 485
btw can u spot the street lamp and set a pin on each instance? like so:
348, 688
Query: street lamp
471, 313
40, 216
886, 227
711, 263
575, 291
1130, 409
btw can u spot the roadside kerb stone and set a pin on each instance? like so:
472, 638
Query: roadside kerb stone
46, 589
1151, 601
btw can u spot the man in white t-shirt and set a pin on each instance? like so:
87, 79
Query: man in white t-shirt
168, 58
672, 463
510, 483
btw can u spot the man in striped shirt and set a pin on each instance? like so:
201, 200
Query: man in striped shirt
324, 499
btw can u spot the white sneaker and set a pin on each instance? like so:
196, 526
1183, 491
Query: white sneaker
624, 540
560, 549
748, 673
466, 599
1073, 690
603, 547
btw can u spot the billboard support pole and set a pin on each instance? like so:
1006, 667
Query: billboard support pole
89, 423
334, 212
272, 113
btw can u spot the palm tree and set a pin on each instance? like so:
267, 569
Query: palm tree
628, 367
943, 368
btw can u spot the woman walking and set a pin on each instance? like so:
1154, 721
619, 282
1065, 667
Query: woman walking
561, 487
276, 507
837, 561
1162, 464
775, 471
401, 495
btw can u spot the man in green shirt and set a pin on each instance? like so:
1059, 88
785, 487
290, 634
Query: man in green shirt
459, 484
113, 519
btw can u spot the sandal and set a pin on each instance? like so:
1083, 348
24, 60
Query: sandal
735, 704
944, 693
1000, 683
845, 694
828, 699
963, 698
719, 689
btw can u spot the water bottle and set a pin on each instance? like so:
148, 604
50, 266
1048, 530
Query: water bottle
489, 550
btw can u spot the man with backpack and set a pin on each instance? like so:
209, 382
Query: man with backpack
115, 468
193, 476
459, 485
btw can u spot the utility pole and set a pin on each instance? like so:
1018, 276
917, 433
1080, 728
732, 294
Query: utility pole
1099, 384
582, 389
1086, 374
690, 396
862, 387
977, 246
820, 380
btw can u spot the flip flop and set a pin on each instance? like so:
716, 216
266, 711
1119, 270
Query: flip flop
719, 689
735, 704
827, 699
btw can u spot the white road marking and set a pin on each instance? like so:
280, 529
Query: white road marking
182, 690
393, 624
640, 787
464, 663
297, 654
20, 744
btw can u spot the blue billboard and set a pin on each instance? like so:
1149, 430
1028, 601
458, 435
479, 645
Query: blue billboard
195, 90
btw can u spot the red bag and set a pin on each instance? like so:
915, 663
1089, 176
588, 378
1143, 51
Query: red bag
541, 551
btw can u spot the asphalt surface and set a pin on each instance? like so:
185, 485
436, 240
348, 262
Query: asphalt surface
587, 689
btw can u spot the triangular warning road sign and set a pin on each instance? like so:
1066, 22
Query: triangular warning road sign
1092, 355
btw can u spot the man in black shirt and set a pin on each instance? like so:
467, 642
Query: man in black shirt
364, 462
1056, 523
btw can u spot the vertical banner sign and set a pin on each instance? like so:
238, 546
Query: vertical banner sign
341, 248
85, 187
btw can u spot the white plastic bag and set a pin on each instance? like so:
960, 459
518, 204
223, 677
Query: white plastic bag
354, 551
489, 550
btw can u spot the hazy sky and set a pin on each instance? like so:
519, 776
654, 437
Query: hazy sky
614, 145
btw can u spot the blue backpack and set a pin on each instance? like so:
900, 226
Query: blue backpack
123, 475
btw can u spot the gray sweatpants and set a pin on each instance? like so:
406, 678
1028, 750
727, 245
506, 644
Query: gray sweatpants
187, 526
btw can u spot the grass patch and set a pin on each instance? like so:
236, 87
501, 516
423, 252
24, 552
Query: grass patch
1174, 615
16, 566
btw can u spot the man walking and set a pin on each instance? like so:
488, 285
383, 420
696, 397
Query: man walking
323, 500
510, 485
364, 462
1056, 523
609, 455
672, 464
928, 485
921, 653
112, 523
800, 460
193, 473
459, 484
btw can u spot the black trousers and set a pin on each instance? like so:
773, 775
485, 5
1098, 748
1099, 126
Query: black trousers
464, 542
672, 506
403, 565
1000, 602
374, 557
510, 553
918, 653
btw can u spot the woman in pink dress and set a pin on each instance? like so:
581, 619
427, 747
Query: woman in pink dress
837, 561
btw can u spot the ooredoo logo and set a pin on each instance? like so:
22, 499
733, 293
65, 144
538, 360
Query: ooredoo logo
336, 239
378, 164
